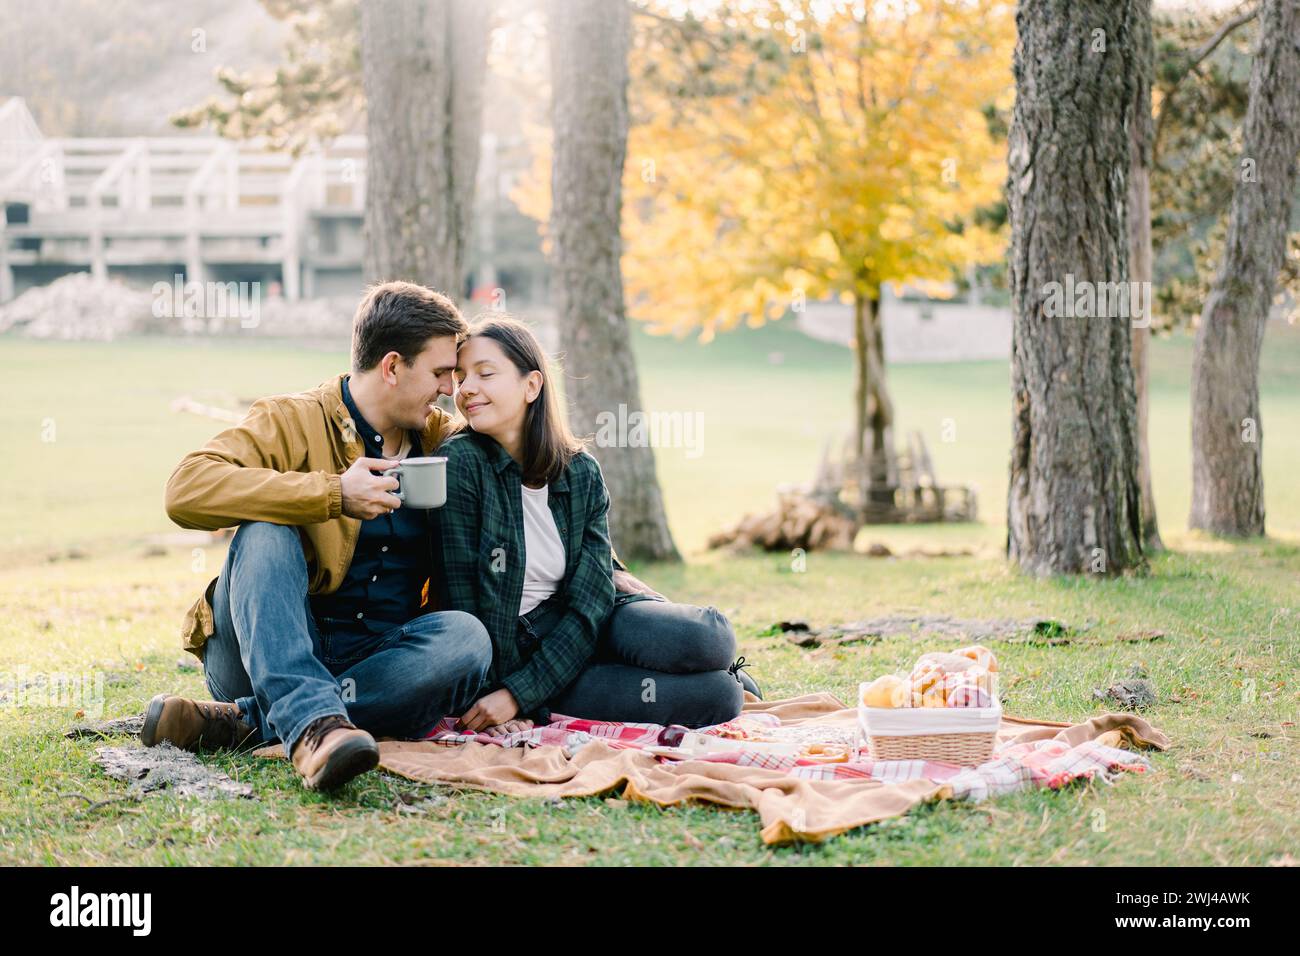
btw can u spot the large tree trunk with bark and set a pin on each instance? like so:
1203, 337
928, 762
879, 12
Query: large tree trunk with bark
1139, 253
423, 67
1073, 504
873, 408
589, 45
1227, 434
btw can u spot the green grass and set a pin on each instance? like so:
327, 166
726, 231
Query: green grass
1222, 795
770, 399
1225, 671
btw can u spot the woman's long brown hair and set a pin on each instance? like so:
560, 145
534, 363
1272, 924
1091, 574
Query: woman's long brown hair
548, 444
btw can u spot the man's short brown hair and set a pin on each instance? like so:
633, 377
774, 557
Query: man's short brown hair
401, 317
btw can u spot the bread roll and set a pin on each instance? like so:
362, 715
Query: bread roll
880, 692
902, 694
948, 663
980, 655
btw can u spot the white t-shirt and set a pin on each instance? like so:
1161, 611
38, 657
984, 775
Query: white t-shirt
543, 549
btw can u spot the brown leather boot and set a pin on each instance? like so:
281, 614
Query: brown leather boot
332, 751
194, 724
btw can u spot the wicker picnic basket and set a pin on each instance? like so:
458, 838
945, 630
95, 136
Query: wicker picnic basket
956, 735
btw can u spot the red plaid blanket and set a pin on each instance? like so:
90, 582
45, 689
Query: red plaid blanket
1041, 763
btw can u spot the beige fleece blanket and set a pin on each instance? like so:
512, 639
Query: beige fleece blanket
790, 808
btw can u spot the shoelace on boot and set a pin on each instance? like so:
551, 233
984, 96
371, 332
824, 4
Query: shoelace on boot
232, 730
314, 734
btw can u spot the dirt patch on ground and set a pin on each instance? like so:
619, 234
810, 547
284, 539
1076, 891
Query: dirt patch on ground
801, 634
120, 727
164, 767
1133, 692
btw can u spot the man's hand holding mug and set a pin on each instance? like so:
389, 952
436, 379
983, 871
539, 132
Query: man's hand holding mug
367, 495
416, 482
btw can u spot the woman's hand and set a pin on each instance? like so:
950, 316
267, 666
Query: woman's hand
510, 727
489, 711
625, 582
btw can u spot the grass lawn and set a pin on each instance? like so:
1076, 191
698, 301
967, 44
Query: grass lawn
99, 417
1225, 670
1223, 795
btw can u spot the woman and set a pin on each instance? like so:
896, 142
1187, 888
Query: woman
526, 549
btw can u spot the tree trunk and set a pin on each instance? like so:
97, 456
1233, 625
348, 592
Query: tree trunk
589, 44
873, 417
861, 397
1139, 253
1227, 435
423, 66
1073, 504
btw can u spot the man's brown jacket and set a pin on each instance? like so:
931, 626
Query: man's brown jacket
281, 464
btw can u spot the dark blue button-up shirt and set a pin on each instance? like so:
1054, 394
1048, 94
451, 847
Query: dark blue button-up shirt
382, 588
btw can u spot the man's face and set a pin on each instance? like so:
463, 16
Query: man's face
419, 385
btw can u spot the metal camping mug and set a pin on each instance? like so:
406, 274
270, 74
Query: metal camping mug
421, 482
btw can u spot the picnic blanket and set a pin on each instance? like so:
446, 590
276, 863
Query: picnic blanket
796, 801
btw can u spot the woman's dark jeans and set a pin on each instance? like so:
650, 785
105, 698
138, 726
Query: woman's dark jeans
656, 662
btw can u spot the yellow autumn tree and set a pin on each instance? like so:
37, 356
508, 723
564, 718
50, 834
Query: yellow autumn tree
783, 151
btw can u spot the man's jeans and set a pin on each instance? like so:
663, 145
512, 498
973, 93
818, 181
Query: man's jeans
270, 656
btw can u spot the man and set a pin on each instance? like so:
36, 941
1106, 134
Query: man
318, 631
